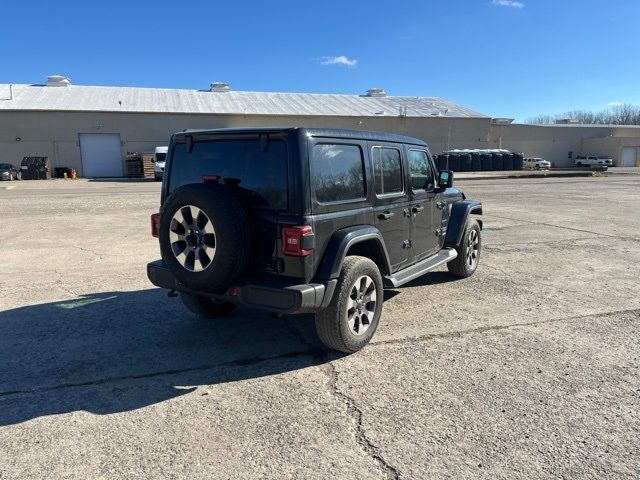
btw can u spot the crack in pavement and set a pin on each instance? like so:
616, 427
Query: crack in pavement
570, 242
492, 328
531, 222
93, 252
242, 362
61, 285
316, 353
355, 412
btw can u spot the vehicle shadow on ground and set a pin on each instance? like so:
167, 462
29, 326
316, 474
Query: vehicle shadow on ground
432, 278
119, 351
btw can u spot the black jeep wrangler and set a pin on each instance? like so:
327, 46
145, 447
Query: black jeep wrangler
301, 220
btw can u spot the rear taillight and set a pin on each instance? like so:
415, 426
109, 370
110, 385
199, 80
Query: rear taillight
155, 225
297, 241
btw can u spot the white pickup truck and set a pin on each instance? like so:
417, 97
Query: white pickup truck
587, 160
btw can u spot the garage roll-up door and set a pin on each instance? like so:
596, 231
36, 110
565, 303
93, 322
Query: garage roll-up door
629, 156
101, 155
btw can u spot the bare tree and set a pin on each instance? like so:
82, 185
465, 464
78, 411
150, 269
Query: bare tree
541, 120
626, 114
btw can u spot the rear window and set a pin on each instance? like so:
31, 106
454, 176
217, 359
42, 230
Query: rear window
160, 157
261, 176
337, 173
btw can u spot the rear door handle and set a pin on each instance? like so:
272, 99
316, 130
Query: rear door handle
441, 205
385, 215
417, 209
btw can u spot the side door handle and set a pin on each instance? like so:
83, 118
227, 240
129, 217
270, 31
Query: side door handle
441, 205
385, 215
417, 209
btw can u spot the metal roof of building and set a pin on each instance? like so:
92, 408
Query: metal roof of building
163, 100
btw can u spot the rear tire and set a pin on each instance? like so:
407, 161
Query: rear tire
205, 307
579, 164
466, 263
352, 317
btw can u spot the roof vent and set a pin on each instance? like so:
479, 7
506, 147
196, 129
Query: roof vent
57, 81
567, 121
502, 121
375, 92
220, 87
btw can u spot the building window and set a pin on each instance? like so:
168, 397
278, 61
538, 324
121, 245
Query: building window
387, 170
337, 172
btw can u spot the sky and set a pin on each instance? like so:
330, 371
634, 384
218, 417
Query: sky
502, 58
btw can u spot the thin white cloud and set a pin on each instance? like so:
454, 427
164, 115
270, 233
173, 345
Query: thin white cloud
508, 3
614, 104
339, 60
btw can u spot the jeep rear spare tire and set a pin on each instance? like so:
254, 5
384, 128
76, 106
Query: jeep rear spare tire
204, 236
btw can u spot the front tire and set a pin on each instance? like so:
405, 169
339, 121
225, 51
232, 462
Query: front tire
206, 308
466, 263
352, 317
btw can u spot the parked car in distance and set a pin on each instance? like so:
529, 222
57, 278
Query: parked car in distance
536, 163
159, 157
9, 172
588, 160
306, 220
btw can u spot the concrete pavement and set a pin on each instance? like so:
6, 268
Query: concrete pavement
528, 369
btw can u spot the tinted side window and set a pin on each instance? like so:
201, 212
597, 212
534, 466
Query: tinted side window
337, 172
420, 171
387, 170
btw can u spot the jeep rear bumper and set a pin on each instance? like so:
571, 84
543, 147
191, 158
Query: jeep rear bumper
254, 293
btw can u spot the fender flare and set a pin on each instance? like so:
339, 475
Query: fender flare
460, 211
339, 245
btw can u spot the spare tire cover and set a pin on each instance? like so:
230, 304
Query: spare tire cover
204, 236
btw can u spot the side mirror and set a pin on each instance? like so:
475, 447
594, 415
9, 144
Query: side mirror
445, 179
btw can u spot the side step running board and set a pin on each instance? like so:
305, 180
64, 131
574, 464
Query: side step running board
414, 271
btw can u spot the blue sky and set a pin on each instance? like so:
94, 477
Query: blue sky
499, 57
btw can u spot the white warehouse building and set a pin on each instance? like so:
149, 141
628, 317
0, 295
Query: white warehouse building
91, 128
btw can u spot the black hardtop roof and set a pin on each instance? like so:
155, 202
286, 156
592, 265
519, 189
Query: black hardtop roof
314, 132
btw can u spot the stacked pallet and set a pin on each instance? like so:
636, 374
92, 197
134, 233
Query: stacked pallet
139, 165
147, 165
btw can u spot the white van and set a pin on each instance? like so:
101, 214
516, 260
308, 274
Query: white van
159, 157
